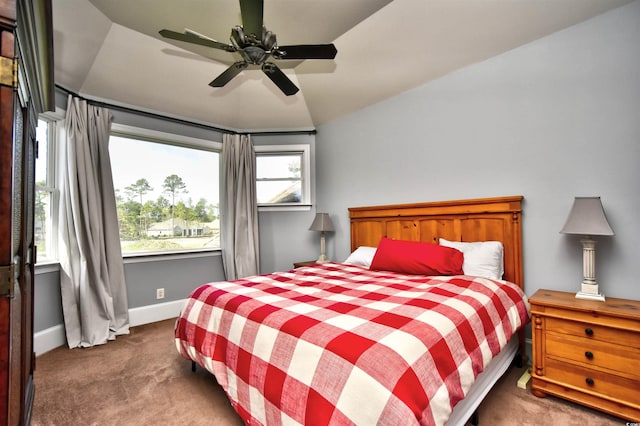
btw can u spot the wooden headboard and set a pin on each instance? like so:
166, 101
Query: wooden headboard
482, 219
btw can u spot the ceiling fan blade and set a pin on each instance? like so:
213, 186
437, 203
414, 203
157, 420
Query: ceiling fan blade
252, 17
279, 78
307, 51
191, 37
228, 74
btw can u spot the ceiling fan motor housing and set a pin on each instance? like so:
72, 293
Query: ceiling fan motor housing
254, 55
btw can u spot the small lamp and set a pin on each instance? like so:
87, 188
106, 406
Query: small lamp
322, 223
587, 218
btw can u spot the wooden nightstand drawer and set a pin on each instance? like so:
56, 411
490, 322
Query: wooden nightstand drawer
594, 331
587, 380
618, 359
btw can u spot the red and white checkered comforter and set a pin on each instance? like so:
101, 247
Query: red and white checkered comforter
340, 344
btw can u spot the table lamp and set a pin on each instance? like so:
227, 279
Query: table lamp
322, 223
587, 218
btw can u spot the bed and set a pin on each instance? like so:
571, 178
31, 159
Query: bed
364, 341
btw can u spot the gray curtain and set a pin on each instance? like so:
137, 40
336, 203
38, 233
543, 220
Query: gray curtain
239, 213
94, 295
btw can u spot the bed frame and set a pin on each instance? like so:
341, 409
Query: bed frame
482, 219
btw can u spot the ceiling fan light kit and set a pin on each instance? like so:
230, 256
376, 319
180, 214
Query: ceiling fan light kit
256, 45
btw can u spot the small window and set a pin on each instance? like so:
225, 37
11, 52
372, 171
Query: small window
282, 175
167, 192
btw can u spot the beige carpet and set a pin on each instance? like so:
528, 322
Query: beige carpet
140, 379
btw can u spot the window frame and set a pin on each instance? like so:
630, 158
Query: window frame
55, 130
305, 174
173, 139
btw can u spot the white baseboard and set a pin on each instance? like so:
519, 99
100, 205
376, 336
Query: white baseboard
155, 313
53, 337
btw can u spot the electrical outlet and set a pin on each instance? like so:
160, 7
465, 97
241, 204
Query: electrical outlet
159, 293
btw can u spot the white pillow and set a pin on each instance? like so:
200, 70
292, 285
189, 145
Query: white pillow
481, 259
363, 256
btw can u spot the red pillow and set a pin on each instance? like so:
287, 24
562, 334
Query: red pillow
416, 258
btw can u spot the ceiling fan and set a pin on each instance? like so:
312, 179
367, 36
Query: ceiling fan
256, 45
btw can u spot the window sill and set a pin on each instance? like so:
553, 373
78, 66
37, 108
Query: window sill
161, 256
54, 266
47, 267
284, 207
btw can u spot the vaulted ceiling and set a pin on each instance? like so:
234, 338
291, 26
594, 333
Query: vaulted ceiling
110, 50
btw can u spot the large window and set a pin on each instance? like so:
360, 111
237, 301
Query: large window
282, 175
167, 191
46, 207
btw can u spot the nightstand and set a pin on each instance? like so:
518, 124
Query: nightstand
304, 263
587, 351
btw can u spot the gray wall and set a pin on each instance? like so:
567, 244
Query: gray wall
178, 277
552, 120
46, 300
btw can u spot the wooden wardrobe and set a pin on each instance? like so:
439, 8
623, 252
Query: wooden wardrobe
26, 89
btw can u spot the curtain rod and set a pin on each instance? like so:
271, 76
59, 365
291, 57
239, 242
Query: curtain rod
180, 120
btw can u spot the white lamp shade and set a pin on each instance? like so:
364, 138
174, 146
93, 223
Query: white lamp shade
587, 218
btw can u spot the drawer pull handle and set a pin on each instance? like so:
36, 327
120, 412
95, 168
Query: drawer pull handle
589, 381
588, 354
588, 332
